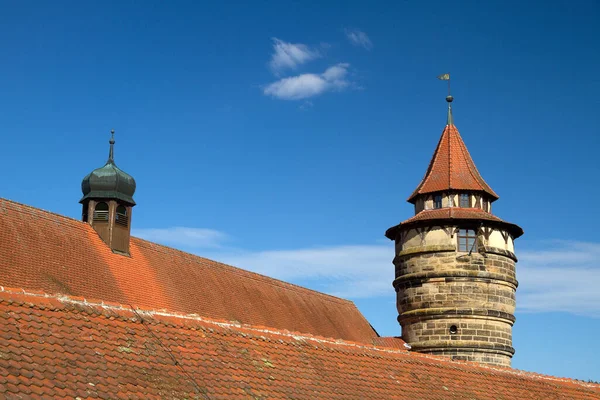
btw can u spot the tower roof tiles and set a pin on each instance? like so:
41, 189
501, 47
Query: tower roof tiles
456, 214
451, 168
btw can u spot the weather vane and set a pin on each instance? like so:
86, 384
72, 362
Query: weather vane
445, 77
449, 98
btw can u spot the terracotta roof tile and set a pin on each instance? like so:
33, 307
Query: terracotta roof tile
454, 213
43, 251
394, 342
91, 350
451, 168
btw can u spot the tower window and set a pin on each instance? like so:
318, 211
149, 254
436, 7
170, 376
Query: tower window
484, 204
437, 201
466, 240
453, 330
101, 212
121, 215
465, 200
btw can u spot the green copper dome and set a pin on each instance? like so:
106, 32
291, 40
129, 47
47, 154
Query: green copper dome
108, 182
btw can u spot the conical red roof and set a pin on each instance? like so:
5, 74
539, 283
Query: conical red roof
451, 168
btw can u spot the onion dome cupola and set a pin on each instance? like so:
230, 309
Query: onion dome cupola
455, 272
109, 182
107, 202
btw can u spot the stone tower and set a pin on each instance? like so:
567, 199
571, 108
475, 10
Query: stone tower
455, 263
107, 203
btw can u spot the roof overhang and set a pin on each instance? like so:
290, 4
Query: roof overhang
515, 230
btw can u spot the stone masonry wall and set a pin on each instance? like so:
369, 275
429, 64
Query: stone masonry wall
457, 304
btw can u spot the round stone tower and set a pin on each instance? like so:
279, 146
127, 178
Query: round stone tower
455, 263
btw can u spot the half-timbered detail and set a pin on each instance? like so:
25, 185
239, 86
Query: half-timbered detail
455, 264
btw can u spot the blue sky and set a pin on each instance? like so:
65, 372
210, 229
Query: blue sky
284, 137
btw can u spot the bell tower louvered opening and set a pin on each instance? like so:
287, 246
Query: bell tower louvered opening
101, 212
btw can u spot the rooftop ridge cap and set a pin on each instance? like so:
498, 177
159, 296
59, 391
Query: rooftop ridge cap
431, 359
155, 314
252, 275
449, 154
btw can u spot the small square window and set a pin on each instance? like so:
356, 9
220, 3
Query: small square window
465, 200
466, 240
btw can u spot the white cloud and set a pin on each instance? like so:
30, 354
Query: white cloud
359, 38
565, 278
183, 237
345, 271
290, 55
309, 85
561, 276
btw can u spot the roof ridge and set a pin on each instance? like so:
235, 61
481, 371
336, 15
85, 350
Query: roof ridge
449, 139
250, 274
157, 314
109, 309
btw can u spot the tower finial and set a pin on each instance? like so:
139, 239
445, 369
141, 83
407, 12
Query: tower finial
112, 144
450, 119
449, 98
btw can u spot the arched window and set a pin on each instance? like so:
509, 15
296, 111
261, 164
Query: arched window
437, 201
121, 215
101, 212
465, 200
466, 240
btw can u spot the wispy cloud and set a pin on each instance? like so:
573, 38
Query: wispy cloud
345, 271
183, 237
306, 105
290, 55
359, 38
562, 276
308, 85
557, 276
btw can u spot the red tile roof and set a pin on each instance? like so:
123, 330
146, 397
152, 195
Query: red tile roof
61, 347
451, 168
454, 213
43, 251
394, 342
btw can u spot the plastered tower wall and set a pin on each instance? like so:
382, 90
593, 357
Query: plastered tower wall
455, 267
